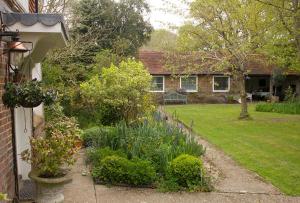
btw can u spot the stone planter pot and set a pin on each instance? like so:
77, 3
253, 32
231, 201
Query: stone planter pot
50, 190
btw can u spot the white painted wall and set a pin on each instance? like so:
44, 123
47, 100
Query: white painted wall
23, 131
38, 112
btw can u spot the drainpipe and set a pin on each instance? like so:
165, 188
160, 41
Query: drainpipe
14, 143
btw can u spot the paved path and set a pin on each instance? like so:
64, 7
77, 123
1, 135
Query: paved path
83, 190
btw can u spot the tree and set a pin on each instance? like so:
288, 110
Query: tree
161, 40
285, 32
118, 26
227, 34
54, 6
103, 32
124, 88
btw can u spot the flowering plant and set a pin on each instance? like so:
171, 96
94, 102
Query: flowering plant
51, 152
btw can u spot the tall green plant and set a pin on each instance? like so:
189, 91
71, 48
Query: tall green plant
125, 89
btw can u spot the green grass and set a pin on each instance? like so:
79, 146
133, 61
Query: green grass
269, 144
286, 108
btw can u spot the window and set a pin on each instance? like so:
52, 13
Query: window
158, 84
189, 84
221, 84
262, 82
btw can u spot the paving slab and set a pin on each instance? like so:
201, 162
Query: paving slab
81, 189
132, 195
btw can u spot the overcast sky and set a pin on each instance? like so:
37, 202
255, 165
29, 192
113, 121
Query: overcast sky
164, 13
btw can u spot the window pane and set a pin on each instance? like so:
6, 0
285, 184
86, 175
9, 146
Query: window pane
221, 83
157, 83
189, 83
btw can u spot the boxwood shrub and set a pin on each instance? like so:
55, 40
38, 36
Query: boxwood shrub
115, 170
187, 172
95, 155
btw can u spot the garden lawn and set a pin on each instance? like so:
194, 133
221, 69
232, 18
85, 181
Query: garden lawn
269, 144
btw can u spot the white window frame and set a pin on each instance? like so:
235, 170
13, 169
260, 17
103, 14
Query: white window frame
155, 76
221, 76
194, 76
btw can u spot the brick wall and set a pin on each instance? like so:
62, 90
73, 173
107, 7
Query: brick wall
205, 92
6, 150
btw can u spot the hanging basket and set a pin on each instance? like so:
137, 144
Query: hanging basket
28, 95
30, 104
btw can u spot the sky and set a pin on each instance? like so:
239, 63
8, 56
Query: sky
166, 13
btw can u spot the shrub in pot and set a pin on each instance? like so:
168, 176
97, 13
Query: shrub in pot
49, 156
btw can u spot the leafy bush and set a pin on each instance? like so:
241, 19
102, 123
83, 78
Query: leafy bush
187, 171
290, 95
90, 136
49, 153
115, 170
285, 108
123, 90
101, 137
95, 155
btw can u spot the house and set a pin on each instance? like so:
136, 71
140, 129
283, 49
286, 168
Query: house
206, 86
37, 33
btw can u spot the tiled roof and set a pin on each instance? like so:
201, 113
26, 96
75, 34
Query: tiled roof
155, 62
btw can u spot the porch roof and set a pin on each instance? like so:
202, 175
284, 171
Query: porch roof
45, 31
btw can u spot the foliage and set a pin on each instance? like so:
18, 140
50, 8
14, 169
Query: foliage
90, 136
290, 95
154, 141
65, 76
114, 25
285, 108
49, 153
267, 144
102, 32
283, 45
223, 36
116, 170
161, 40
3, 197
278, 78
122, 89
187, 170
9, 97
95, 155
27, 94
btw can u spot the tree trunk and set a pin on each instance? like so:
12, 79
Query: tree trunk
244, 107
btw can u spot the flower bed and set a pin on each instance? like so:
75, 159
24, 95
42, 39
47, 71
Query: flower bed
285, 108
146, 154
